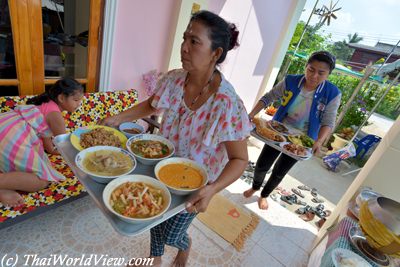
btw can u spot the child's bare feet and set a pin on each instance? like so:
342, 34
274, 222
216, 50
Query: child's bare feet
262, 203
182, 256
248, 193
150, 261
10, 198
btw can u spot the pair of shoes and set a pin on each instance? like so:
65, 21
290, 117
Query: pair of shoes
304, 187
298, 192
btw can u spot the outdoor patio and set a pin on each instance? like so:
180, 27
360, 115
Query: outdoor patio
281, 238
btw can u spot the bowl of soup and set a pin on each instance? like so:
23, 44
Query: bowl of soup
149, 149
131, 129
105, 163
137, 198
182, 176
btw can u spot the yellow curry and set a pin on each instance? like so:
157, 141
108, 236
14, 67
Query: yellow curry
181, 176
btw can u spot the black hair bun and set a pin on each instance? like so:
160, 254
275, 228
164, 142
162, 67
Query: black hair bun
234, 36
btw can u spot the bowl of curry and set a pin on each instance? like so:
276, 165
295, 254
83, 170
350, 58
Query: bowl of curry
149, 149
180, 175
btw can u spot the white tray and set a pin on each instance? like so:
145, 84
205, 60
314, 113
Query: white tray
95, 190
277, 146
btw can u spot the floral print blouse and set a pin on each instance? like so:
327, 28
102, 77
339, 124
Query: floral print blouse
199, 134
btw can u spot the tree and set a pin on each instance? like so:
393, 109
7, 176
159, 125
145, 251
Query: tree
341, 49
312, 41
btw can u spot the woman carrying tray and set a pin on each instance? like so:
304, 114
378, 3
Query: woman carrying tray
203, 117
309, 103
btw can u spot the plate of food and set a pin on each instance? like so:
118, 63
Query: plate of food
266, 134
296, 150
97, 135
302, 140
278, 127
346, 258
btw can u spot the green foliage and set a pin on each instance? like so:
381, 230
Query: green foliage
390, 106
312, 41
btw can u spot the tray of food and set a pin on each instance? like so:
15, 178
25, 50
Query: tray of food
265, 133
95, 184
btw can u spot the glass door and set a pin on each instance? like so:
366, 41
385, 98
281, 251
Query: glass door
55, 38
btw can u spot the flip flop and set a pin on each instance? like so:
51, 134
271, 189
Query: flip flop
308, 216
283, 192
298, 192
320, 222
299, 202
304, 187
317, 200
314, 192
303, 210
289, 199
274, 197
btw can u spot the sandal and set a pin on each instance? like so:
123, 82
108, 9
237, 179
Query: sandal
317, 200
299, 202
304, 187
303, 210
283, 192
314, 192
289, 199
298, 192
274, 197
320, 222
308, 216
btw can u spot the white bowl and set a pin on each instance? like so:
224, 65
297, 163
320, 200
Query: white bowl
130, 125
136, 178
100, 178
191, 163
147, 161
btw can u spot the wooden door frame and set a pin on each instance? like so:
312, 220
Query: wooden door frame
27, 31
29, 53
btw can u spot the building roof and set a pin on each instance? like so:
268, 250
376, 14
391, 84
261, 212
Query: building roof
380, 48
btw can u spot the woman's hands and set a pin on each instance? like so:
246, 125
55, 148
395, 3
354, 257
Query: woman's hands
113, 121
316, 147
199, 201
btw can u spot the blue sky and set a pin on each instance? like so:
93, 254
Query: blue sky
374, 20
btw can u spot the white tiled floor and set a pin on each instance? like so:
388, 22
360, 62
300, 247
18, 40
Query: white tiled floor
281, 238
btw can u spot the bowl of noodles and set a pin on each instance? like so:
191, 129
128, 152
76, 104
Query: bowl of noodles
182, 176
149, 149
137, 198
105, 163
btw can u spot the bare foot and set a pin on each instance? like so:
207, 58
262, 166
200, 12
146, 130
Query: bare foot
10, 198
262, 203
150, 261
248, 193
182, 256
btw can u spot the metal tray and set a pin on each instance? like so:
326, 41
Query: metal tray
95, 190
277, 146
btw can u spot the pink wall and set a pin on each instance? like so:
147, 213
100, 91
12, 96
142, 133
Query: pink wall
261, 24
141, 41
